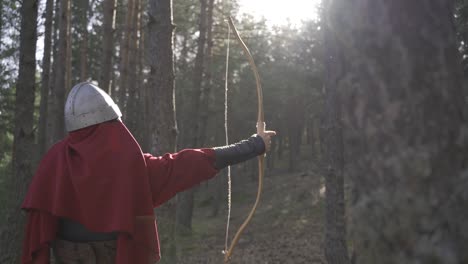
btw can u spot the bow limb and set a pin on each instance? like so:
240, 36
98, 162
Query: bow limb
260, 129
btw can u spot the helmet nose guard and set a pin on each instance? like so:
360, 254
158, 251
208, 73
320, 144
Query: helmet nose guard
88, 105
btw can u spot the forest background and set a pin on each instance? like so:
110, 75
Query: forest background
129, 47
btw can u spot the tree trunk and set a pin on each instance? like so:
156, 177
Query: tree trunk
198, 74
131, 85
68, 60
42, 137
1, 22
142, 88
84, 40
161, 102
51, 114
404, 119
207, 88
23, 158
161, 78
61, 71
184, 210
295, 127
182, 102
125, 55
332, 160
107, 44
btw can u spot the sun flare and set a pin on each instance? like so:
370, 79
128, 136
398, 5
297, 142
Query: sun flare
280, 12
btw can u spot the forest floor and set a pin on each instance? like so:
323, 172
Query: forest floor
286, 228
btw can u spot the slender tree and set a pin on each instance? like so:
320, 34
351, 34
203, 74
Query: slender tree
207, 80
295, 124
132, 83
184, 210
404, 119
161, 119
46, 61
198, 71
68, 56
141, 77
161, 78
61, 71
23, 158
108, 26
52, 98
332, 160
125, 53
1, 23
84, 7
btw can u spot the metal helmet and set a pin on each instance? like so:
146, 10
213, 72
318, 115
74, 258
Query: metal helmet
88, 105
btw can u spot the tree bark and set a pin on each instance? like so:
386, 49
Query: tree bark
23, 158
1, 23
161, 78
125, 55
207, 88
198, 73
84, 40
68, 59
108, 44
295, 124
61, 71
132, 117
52, 98
404, 118
142, 74
161, 90
184, 210
46, 61
332, 160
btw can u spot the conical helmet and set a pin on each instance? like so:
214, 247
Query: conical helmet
88, 105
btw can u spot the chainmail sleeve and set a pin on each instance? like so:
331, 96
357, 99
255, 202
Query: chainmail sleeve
239, 152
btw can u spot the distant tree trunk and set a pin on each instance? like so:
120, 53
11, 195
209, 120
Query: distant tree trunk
280, 140
207, 88
125, 54
161, 102
84, 40
295, 127
1, 22
23, 158
332, 160
270, 162
52, 98
217, 186
198, 73
61, 71
107, 44
184, 210
143, 89
42, 137
404, 119
161, 79
182, 71
132, 85
68, 60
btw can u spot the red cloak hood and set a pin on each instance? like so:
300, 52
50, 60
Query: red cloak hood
96, 176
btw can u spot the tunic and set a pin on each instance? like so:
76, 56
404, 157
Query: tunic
99, 177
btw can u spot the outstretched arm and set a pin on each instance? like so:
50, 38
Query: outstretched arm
173, 173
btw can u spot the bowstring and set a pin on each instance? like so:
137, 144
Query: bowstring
227, 138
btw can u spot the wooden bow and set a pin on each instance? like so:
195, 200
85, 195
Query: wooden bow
260, 130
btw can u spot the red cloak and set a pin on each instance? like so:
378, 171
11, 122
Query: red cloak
99, 177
